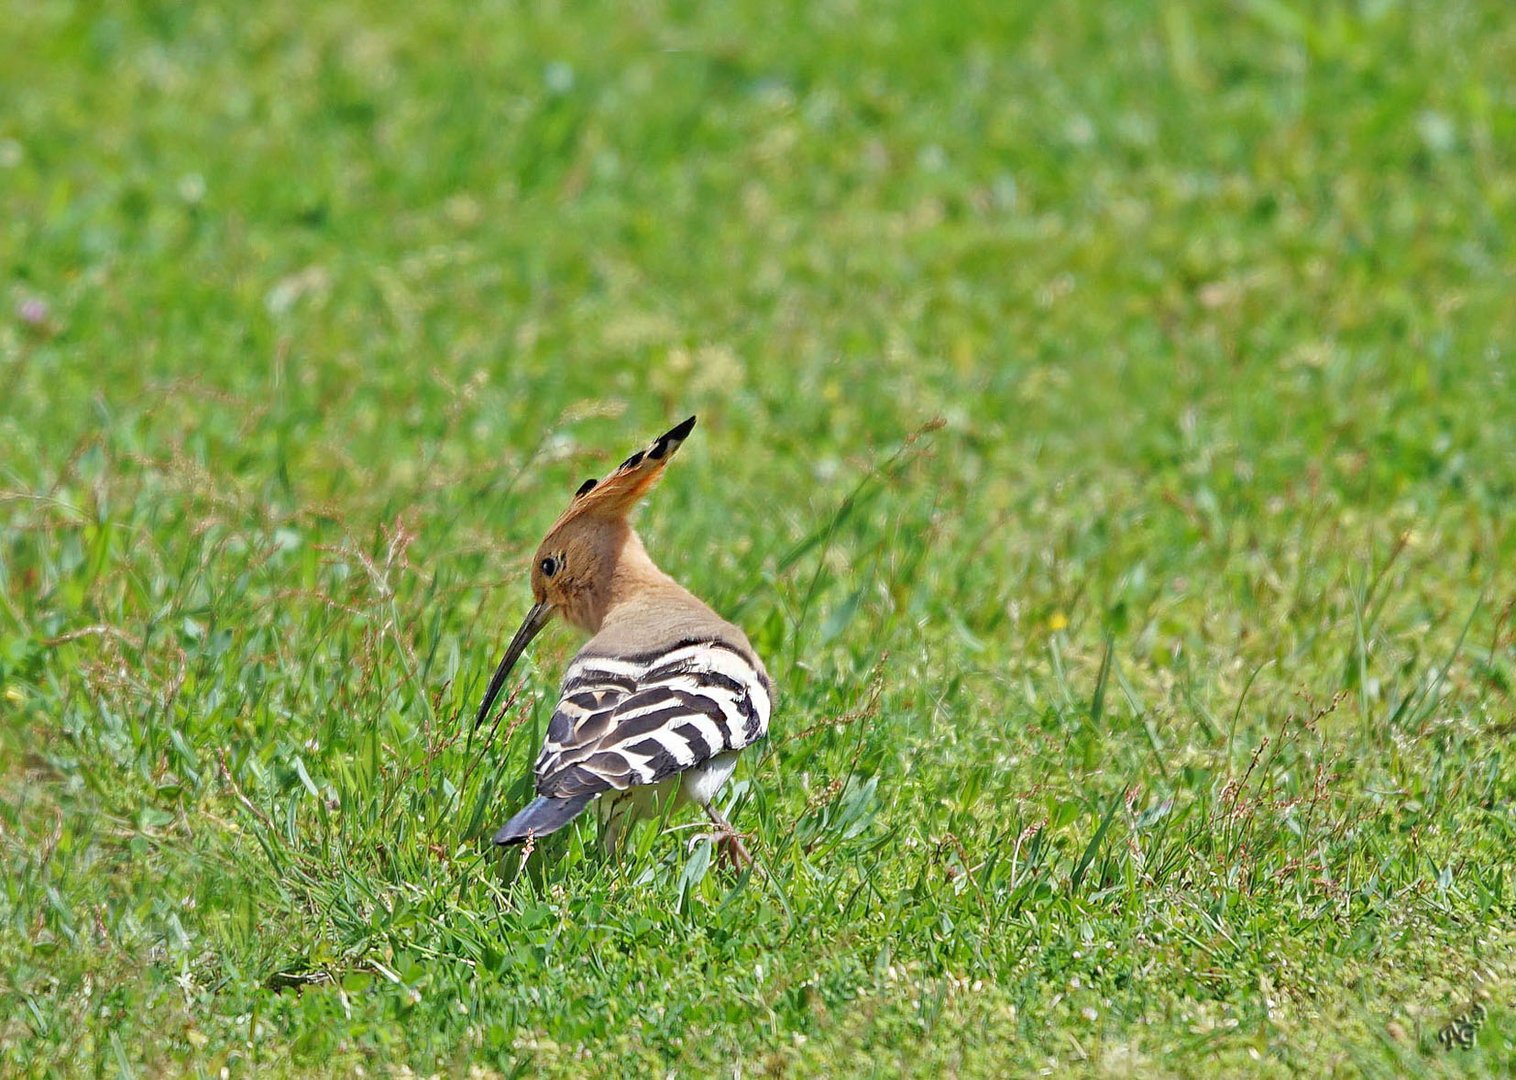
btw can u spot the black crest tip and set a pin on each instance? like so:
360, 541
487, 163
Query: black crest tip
671, 439
586, 487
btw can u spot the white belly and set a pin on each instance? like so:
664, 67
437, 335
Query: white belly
700, 784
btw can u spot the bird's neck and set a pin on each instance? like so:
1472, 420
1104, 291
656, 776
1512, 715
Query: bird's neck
633, 580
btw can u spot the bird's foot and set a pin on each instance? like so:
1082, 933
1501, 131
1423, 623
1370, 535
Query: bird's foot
729, 843
733, 850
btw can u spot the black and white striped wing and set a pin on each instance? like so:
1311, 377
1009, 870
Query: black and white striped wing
627, 721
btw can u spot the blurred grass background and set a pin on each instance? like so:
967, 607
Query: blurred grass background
1107, 435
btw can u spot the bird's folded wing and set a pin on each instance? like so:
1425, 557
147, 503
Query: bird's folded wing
627, 721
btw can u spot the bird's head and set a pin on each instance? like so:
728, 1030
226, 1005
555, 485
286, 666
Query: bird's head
574, 566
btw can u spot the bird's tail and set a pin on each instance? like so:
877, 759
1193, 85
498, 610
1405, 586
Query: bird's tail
542, 816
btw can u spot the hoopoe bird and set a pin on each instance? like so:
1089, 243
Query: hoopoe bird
662, 696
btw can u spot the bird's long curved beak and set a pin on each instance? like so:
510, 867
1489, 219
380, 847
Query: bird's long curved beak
535, 620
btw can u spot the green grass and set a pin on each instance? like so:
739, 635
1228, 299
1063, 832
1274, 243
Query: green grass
1151, 715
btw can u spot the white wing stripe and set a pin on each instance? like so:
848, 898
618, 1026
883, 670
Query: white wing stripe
588, 666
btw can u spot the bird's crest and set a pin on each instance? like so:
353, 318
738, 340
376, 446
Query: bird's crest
615, 496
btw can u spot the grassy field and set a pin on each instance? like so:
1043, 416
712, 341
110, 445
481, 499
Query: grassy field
1107, 434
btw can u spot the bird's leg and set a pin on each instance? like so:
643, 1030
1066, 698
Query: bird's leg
728, 839
613, 824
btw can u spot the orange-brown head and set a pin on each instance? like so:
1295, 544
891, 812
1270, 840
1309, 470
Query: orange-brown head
591, 556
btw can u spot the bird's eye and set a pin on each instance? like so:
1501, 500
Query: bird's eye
549, 566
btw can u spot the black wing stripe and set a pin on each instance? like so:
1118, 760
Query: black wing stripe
644, 701
560, 728
699, 740
594, 727
647, 723
566, 783
659, 761
610, 766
